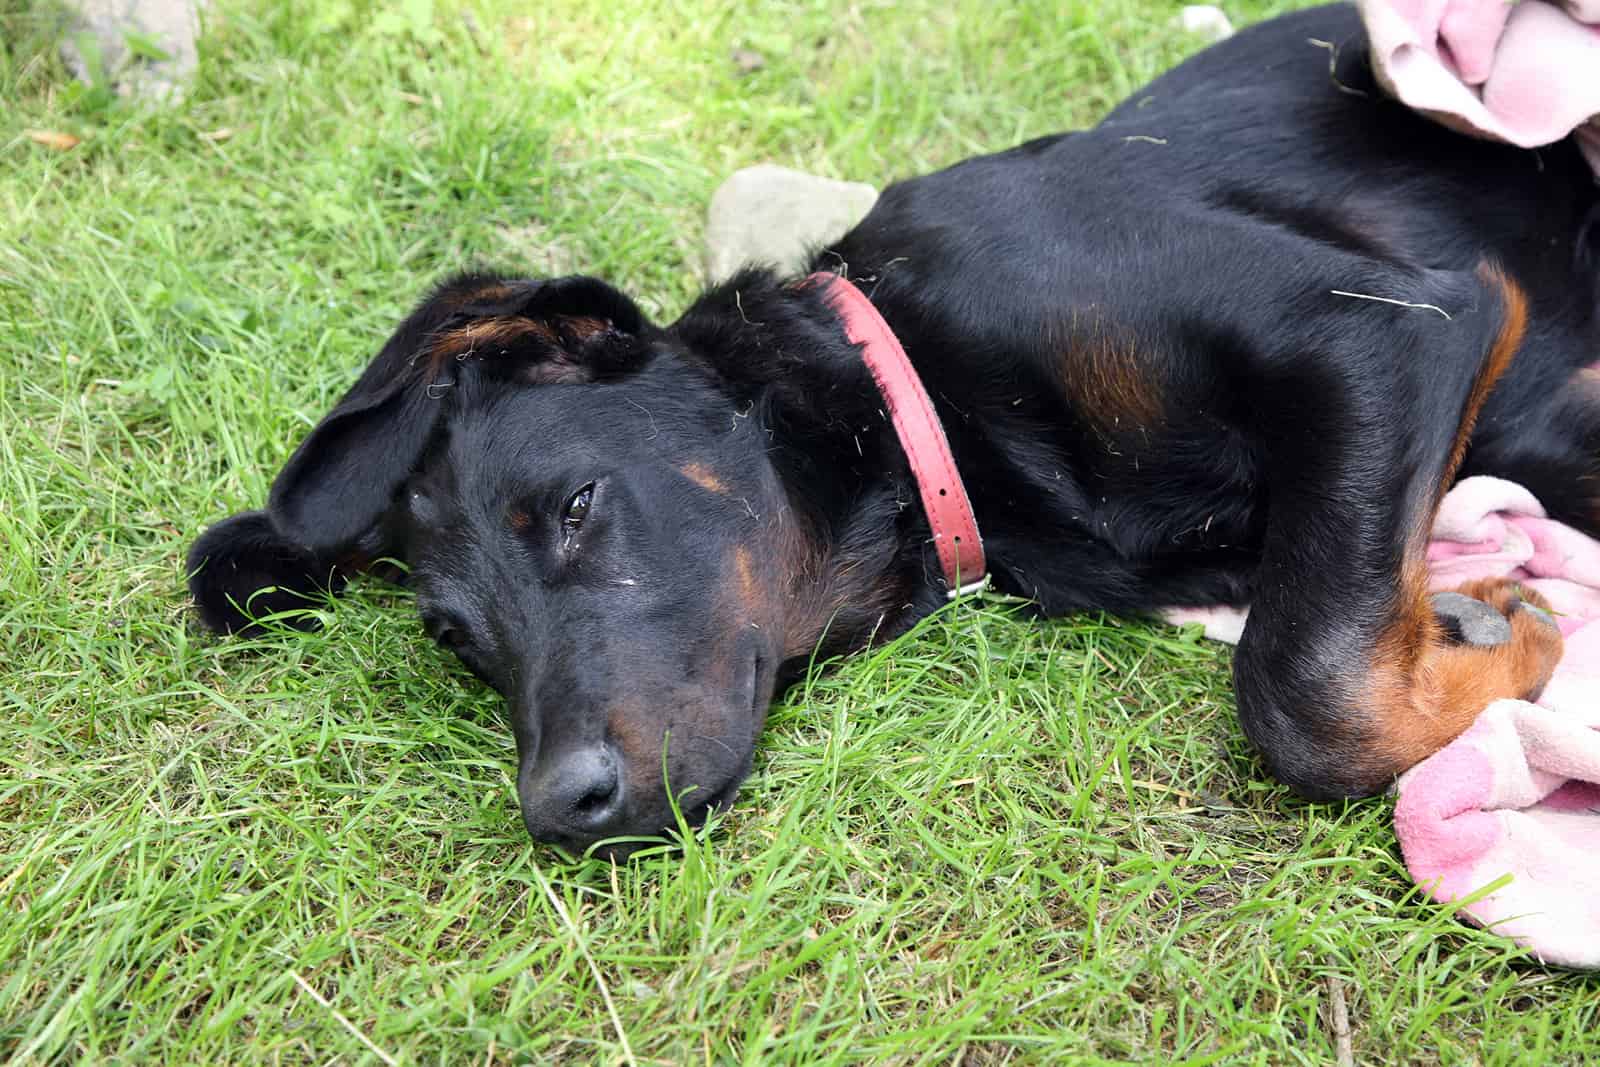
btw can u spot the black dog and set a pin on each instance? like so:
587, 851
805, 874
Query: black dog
1229, 346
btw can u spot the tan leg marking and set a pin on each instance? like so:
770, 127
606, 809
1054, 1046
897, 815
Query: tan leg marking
1423, 690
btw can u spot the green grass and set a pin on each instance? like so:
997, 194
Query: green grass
992, 841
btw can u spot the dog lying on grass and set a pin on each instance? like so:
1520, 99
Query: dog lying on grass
1231, 345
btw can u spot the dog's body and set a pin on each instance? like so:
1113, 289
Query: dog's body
1229, 346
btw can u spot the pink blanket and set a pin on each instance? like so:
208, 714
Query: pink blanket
1527, 73
1505, 820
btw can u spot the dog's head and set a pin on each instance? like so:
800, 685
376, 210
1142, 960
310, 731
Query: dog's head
590, 522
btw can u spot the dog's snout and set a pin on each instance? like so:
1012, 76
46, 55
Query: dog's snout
573, 795
591, 782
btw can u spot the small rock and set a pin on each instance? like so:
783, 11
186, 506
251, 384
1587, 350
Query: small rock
776, 217
748, 60
111, 39
1205, 20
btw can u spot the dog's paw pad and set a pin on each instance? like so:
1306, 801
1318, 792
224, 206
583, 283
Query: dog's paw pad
1504, 637
1468, 621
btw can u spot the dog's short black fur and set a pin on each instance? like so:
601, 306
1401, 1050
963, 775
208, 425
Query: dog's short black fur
1228, 346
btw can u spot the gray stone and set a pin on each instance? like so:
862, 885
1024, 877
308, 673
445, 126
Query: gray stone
776, 217
1469, 621
103, 27
1205, 21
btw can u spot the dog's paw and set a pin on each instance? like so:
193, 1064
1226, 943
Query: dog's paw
1508, 622
1469, 621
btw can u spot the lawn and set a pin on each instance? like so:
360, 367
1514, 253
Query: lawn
991, 841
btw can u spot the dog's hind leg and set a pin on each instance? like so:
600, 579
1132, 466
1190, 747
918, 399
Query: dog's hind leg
1346, 675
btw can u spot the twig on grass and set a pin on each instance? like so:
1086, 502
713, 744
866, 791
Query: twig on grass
1339, 1022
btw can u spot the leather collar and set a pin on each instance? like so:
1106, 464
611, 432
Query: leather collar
916, 423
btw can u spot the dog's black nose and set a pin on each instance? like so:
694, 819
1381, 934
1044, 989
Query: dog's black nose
575, 795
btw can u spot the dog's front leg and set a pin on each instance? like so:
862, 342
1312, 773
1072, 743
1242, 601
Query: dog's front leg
1346, 675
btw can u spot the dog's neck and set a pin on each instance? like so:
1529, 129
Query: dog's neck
855, 542
858, 554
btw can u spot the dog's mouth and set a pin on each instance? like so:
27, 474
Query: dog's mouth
701, 806
696, 805
694, 815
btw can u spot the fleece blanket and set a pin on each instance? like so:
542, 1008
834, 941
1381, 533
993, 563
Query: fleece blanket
1523, 72
1505, 821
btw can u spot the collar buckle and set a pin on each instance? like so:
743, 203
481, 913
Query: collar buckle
980, 586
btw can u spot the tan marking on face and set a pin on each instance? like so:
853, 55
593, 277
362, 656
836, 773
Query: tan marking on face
520, 520
704, 477
637, 738
748, 594
744, 577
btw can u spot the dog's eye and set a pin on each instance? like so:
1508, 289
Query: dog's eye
450, 638
577, 508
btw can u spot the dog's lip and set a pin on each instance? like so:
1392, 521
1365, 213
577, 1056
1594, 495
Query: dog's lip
622, 846
754, 703
721, 799
699, 806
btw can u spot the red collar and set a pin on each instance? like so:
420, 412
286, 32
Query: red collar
944, 498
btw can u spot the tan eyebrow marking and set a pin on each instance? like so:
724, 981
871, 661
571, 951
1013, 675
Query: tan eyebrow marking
704, 477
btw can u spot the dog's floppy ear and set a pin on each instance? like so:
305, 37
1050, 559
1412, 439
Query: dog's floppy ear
326, 513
